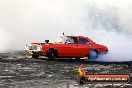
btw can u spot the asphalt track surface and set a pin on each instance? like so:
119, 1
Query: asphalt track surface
58, 73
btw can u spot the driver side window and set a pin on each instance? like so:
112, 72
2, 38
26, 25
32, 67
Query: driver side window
73, 40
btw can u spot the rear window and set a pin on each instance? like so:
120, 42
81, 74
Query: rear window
83, 41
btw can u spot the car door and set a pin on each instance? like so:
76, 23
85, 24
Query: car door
84, 46
71, 49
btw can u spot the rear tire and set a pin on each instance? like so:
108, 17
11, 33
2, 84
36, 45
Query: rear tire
92, 54
35, 56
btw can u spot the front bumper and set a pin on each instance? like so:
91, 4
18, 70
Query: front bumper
37, 49
31, 52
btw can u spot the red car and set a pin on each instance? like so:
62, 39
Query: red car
67, 46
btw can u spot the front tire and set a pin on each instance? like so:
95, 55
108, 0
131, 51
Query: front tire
77, 58
35, 56
51, 53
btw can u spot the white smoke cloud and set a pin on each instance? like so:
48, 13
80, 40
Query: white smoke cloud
119, 45
105, 21
5, 38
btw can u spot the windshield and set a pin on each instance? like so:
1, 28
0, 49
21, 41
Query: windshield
61, 39
66, 39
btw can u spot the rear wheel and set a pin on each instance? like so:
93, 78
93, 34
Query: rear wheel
93, 54
35, 56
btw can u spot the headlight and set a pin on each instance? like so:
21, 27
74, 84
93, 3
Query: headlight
33, 48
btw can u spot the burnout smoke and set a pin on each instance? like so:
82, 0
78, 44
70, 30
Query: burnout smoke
107, 30
107, 22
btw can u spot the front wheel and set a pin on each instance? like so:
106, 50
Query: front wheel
77, 58
51, 53
92, 54
35, 56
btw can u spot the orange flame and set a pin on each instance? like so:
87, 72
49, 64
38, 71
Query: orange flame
81, 71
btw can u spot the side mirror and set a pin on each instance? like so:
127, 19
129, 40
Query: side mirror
47, 41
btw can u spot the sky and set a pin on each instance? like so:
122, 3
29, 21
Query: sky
108, 22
